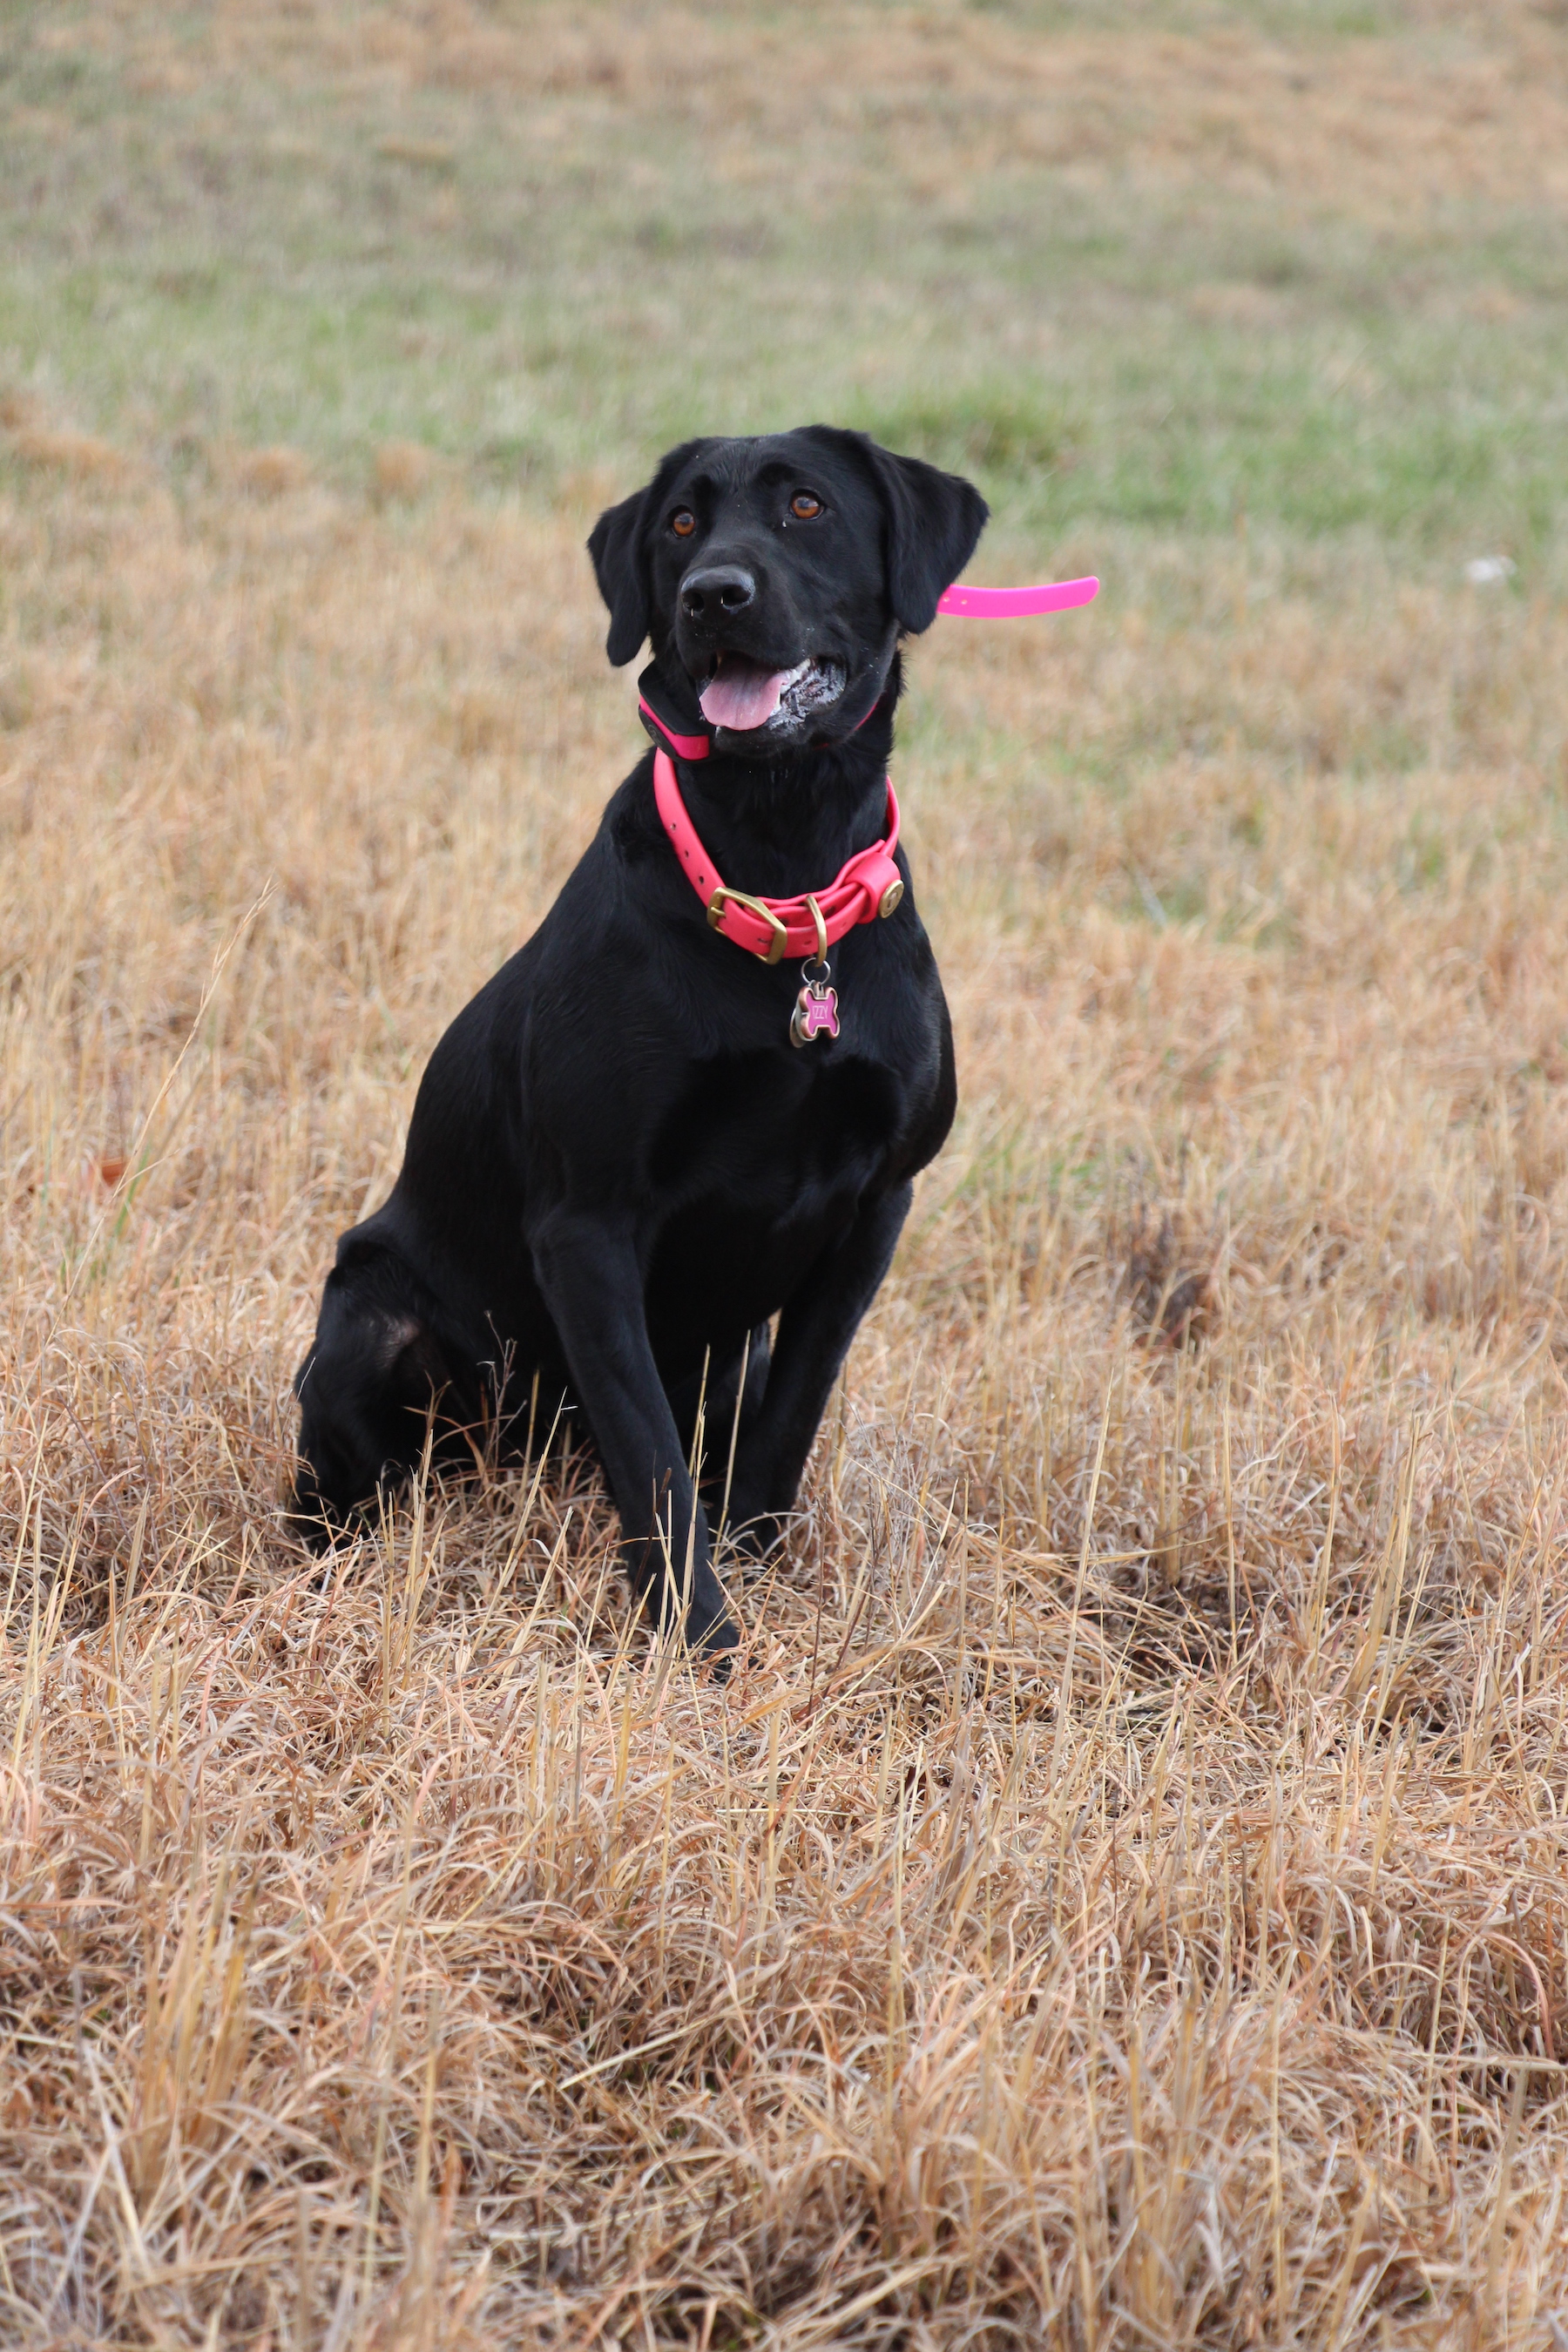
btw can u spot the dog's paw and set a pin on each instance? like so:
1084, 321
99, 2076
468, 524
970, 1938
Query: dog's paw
715, 1644
700, 1620
312, 1521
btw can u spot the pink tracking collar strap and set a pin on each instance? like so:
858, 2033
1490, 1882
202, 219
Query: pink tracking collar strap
696, 747
685, 747
1010, 603
865, 885
961, 604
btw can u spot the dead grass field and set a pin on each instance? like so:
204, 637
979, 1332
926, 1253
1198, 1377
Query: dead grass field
1120, 1900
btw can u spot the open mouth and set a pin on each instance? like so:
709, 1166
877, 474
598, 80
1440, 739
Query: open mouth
743, 695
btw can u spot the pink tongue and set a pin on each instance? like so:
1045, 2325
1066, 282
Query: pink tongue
743, 695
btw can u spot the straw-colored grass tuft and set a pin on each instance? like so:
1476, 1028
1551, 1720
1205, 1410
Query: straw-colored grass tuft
402, 470
1120, 1897
63, 450
271, 472
1119, 1901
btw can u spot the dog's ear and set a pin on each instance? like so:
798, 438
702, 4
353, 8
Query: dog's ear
934, 522
618, 545
620, 568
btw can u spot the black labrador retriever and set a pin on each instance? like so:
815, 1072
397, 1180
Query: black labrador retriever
651, 1133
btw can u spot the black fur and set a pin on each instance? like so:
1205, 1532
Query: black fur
619, 1169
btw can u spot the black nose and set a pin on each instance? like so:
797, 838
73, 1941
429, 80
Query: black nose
717, 593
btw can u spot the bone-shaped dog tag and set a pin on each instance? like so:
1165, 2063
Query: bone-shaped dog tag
815, 1011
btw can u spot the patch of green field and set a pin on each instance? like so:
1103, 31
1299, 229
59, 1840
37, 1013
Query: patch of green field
534, 284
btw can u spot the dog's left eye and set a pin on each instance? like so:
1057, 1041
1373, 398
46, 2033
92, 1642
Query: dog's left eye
804, 506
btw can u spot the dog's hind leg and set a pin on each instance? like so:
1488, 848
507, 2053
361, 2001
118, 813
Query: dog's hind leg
366, 1388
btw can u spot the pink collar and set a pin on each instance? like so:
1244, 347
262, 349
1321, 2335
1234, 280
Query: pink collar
870, 884
865, 885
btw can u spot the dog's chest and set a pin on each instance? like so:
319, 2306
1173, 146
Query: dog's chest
757, 1131
758, 1171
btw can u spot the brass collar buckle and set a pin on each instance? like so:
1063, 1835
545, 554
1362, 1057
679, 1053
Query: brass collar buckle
779, 938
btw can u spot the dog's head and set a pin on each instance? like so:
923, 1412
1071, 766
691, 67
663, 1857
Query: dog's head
774, 577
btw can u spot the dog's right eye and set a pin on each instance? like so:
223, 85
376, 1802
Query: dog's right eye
683, 522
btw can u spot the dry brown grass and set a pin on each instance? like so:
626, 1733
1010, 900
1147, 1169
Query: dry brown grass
271, 472
402, 470
1119, 1902
62, 449
1119, 1899
1447, 102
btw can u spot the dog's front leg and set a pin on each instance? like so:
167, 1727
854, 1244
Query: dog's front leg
814, 1336
592, 1284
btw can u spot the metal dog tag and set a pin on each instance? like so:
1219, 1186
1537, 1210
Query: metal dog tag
815, 1011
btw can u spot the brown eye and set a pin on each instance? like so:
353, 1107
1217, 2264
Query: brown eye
804, 506
683, 522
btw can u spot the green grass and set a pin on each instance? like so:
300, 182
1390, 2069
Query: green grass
517, 282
